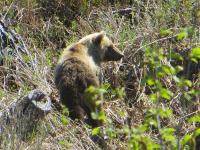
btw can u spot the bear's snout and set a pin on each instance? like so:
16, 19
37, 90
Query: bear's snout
113, 54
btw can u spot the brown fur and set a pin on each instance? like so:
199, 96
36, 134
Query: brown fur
78, 68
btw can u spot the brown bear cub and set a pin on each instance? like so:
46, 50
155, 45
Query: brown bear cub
78, 68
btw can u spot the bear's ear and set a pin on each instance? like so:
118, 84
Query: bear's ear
97, 40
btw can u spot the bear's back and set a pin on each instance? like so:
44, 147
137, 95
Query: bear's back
72, 77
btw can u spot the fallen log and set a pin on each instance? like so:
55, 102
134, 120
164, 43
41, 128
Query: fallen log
24, 115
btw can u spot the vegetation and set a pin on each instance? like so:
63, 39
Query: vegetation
150, 98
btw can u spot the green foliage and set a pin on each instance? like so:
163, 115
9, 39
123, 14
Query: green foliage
64, 120
139, 140
104, 91
159, 92
165, 93
66, 10
168, 136
185, 140
165, 32
96, 131
65, 144
64, 116
99, 116
195, 119
95, 97
182, 35
195, 54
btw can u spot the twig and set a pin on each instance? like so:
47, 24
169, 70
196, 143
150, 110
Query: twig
188, 115
4, 16
162, 39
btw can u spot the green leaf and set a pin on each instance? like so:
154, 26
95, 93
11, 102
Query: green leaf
153, 122
94, 115
195, 119
176, 79
186, 139
120, 92
188, 82
166, 69
168, 134
151, 82
65, 143
98, 102
101, 90
194, 92
167, 131
178, 69
153, 97
65, 110
126, 130
197, 132
195, 53
165, 93
122, 113
176, 56
64, 120
91, 89
165, 113
99, 116
111, 132
96, 131
194, 60
182, 35
184, 82
102, 116
187, 96
165, 32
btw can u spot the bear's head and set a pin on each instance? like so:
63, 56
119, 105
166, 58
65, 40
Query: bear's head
101, 48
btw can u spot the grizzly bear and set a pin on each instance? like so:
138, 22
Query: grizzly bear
78, 68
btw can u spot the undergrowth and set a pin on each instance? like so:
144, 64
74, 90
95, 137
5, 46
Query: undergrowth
150, 98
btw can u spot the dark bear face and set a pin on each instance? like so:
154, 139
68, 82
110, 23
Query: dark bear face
112, 54
106, 49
